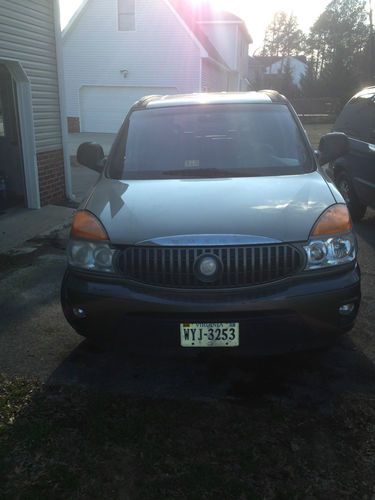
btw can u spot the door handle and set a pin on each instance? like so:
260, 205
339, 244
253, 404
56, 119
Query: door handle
371, 148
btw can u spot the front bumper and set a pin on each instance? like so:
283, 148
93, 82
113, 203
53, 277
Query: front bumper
294, 314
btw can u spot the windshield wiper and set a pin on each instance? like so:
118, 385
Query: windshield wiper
211, 172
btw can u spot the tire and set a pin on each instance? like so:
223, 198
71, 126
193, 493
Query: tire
345, 186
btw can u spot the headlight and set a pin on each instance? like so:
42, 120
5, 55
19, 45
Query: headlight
91, 256
89, 247
330, 252
332, 241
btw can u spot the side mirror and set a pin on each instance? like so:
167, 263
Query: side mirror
91, 155
332, 146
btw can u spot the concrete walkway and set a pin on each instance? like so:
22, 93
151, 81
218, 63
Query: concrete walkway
83, 180
19, 225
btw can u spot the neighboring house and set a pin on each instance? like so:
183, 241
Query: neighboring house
32, 167
116, 51
259, 66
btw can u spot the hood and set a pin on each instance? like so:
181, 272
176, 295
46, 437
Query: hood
282, 208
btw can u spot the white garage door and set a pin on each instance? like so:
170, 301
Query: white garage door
103, 109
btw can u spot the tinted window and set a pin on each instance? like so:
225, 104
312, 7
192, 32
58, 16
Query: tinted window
214, 140
358, 119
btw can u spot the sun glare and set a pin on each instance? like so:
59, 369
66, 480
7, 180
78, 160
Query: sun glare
257, 15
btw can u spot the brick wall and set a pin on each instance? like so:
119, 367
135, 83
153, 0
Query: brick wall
51, 176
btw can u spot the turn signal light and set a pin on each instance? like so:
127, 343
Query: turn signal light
335, 219
86, 226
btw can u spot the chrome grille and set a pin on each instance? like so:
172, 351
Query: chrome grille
241, 266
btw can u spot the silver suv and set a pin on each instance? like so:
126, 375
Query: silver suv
211, 226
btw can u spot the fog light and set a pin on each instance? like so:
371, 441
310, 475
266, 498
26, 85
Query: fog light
79, 313
346, 309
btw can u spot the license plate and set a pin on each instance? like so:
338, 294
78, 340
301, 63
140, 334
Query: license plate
210, 334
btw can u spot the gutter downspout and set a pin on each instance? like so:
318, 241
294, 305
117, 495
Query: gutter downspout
201, 75
64, 126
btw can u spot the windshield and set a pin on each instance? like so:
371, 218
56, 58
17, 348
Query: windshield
211, 141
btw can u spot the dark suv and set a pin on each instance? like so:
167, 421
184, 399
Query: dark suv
211, 226
354, 173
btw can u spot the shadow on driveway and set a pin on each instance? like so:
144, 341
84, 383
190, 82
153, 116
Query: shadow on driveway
300, 379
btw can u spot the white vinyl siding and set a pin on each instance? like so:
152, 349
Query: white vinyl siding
214, 78
160, 53
224, 38
103, 109
126, 15
27, 35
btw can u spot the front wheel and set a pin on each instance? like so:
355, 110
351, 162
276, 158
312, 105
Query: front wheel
345, 186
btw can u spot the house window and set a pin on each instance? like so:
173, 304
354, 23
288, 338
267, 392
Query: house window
126, 15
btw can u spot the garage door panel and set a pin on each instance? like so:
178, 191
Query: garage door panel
103, 109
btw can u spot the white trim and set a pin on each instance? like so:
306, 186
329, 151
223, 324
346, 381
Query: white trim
220, 22
27, 133
237, 59
73, 19
63, 115
203, 51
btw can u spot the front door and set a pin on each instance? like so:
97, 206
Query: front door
12, 183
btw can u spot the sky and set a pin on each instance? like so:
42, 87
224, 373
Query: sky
257, 14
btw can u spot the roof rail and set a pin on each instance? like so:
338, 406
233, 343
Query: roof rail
274, 95
143, 101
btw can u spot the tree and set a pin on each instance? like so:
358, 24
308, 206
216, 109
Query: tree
335, 48
338, 48
283, 37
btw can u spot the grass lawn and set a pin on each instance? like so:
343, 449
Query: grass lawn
64, 443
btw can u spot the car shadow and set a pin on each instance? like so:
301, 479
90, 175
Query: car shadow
304, 379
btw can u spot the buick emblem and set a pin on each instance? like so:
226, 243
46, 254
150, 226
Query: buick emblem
208, 268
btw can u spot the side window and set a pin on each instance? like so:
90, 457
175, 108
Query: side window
358, 119
349, 120
367, 127
126, 15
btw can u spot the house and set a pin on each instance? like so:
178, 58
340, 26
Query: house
262, 68
33, 171
116, 51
